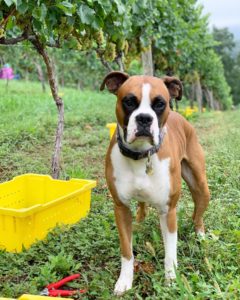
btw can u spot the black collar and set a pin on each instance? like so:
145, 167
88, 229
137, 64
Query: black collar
136, 155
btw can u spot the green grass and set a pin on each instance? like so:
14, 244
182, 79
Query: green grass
208, 269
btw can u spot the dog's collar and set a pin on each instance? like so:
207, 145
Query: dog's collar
136, 155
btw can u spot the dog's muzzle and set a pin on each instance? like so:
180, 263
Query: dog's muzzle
144, 122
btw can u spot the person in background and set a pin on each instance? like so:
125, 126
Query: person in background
6, 72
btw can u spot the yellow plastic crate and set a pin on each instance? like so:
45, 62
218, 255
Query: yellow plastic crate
32, 204
112, 127
36, 297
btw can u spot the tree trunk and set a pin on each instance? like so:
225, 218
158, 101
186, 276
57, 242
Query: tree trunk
217, 104
147, 62
205, 94
79, 85
55, 71
62, 81
40, 76
209, 98
59, 103
198, 90
192, 95
26, 76
103, 61
119, 61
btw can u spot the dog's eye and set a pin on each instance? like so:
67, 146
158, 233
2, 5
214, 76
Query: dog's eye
158, 105
130, 102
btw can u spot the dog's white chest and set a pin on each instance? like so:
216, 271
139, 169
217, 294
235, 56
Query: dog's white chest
132, 182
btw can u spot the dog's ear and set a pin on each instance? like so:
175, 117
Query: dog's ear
174, 86
113, 81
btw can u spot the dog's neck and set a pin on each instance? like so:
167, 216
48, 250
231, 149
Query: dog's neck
134, 154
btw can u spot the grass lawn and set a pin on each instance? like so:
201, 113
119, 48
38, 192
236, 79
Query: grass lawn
208, 269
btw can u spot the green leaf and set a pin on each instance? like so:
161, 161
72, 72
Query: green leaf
70, 20
97, 23
37, 24
86, 14
36, 13
8, 2
67, 4
10, 24
40, 13
120, 7
106, 5
67, 7
43, 12
22, 8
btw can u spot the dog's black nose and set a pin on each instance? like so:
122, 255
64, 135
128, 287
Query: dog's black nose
144, 119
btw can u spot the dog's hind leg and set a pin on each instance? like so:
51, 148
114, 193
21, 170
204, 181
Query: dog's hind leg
141, 211
194, 173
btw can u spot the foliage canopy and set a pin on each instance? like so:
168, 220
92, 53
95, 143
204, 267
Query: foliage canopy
176, 30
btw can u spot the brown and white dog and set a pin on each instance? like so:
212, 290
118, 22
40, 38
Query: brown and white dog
151, 150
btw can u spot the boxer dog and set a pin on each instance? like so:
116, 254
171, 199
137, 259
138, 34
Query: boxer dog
153, 147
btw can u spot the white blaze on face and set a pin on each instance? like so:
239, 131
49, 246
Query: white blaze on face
144, 107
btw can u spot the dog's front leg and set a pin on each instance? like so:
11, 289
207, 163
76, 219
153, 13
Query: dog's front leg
123, 217
168, 224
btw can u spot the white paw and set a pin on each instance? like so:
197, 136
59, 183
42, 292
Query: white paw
201, 235
125, 279
170, 274
170, 277
123, 284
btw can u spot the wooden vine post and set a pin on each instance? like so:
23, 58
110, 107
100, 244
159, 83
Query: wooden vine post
59, 103
147, 62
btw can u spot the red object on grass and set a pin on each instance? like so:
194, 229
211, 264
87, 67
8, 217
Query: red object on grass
52, 289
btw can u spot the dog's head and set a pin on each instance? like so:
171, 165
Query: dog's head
143, 104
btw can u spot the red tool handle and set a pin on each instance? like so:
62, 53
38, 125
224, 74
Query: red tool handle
58, 293
59, 283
